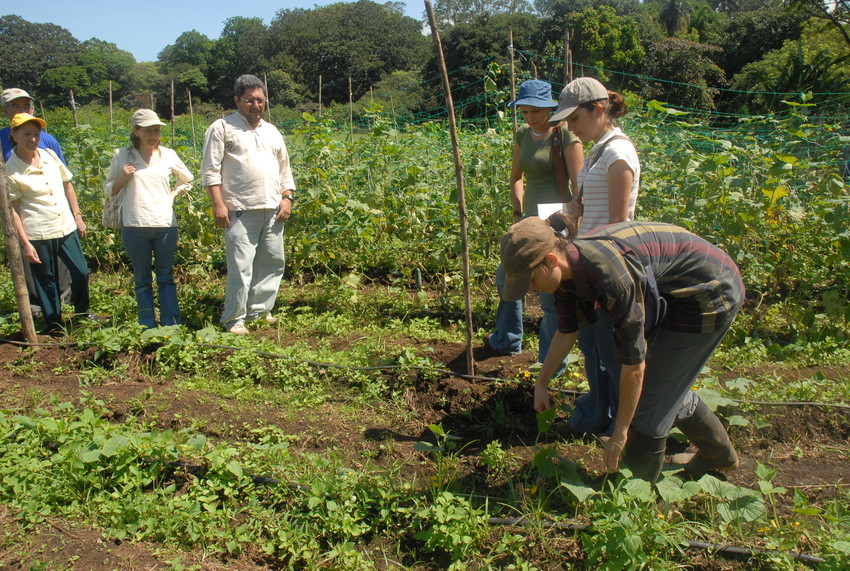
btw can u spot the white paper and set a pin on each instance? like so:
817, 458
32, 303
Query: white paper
546, 210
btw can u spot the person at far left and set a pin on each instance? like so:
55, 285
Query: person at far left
14, 101
47, 218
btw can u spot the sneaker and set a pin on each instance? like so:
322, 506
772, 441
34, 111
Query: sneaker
238, 329
271, 319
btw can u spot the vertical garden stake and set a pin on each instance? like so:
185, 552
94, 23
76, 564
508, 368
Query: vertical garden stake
172, 112
461, 196
110, 106
513, 74
192, 120
16, 265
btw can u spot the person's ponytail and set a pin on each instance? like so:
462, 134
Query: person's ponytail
564, 226
616, 105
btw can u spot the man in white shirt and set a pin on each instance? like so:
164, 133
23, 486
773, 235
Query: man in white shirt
247, 174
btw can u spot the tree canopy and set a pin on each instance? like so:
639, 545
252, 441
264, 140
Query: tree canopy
693, 48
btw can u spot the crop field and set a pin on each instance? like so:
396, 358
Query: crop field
350, 435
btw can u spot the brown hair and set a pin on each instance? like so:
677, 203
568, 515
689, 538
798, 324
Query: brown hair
614, 108
136, 141
565, 229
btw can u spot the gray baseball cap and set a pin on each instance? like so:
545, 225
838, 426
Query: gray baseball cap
576, 93
13, 93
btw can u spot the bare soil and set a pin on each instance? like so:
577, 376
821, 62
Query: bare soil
807, 445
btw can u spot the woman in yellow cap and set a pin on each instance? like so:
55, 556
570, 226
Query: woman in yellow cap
47, 218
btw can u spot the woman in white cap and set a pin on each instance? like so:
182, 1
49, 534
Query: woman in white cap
607, 192
143, 174
541, 151
671, 297
47, 218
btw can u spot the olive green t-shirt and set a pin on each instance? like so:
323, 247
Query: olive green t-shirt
537, 164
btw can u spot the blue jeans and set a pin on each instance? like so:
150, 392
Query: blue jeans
595, 411
143, 244
507, 337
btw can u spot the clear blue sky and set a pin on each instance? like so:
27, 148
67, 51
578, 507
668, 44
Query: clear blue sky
144, 28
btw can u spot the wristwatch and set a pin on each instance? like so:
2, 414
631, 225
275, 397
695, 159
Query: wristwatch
291, 197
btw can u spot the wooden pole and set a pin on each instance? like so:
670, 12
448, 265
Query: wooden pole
568, 56
268, 98
172, 112
151, 105
192, 120
74, 108
513, 74
350, 110
110, 106
320, 96
461, 194
16, 263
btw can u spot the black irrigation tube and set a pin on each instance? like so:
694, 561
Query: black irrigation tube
732, 550
418, 368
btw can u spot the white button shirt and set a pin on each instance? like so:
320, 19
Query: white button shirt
43, 207
251, 165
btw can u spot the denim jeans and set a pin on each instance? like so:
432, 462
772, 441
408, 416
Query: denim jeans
143, 245
595, 411
507, 336
255, 264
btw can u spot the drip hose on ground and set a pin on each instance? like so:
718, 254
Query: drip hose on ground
447, 372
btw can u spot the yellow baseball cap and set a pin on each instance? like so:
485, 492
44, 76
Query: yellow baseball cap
22, 118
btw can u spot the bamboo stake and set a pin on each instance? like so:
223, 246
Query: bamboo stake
268, 97
74, 108
110, 105
172, 112
16, 263
320, 96
192, 120
461, 195
350, 111
513, 75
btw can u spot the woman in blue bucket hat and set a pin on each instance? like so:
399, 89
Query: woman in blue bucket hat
540, 151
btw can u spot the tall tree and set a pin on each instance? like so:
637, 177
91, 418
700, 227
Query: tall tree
751, 34
674, 14
608, 41
471, 48
241, 48
362, 40
88, 73
28, 50
452, 12
836, 12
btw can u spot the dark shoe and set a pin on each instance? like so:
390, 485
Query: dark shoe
714, 448
495, 351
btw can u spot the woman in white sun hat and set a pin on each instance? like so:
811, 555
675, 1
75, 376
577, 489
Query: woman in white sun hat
142, 174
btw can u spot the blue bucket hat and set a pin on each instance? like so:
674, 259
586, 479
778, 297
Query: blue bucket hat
536, 93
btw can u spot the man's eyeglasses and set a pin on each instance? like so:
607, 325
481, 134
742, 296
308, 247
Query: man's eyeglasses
253, 101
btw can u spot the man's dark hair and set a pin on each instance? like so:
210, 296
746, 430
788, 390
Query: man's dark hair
246, 82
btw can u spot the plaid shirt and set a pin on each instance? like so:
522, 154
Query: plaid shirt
700, 283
